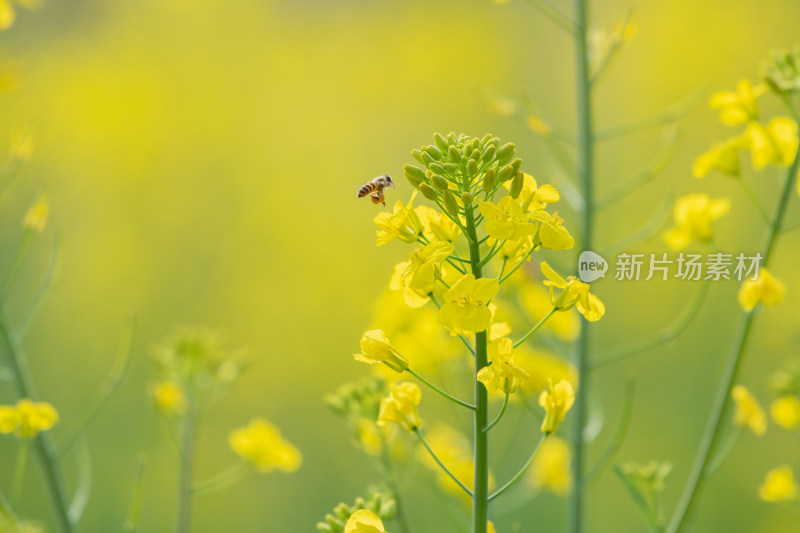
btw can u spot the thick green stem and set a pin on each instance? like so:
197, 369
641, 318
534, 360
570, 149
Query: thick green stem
585, 167
480, 498
708, 442
187, 461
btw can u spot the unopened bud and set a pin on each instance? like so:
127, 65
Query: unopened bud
486, 138
440, 183
433, 151
489, 180
427, 158
472, 167
418, 156
453, 154
450, 203
505, 173
450, 168
466, 198
437, 168
516, 185
428, 192
440, 141
488, 153
414, 175
516, 164
506, 151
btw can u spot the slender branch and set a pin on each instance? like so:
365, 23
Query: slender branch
521, 262
502, 268
19, 257
19, 474
667, 116
499, 415
560, 19
751, 195
521, 472
440, 391
224, 479
53, 270
612, 53
135, 512
723, 453
186, 466
440, 463
646, 231
84, 484
536, 327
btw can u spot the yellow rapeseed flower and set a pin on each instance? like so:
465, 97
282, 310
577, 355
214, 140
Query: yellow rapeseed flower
542, 366
501, 375
36, 216
765, 289
574, 293
552, 233
490, 527
556, 402
774, 143
536, 301
534, 196
401, 406
261, 444
8, 14
749, 412
465, 308
375, 348
437, 225
505, 220
364, 521
418, 275
27, 418
723, 157
738, 107
551, 468
785, 411
403, 223
779, 485
169, 397
694, 215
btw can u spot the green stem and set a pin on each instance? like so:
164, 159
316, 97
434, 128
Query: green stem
440, 463
440, 391
187, 461
19, 474
19, 257
499, 415
224, 479
502, 268
48, 458
535, 328
554, 14
480, 500
585, 166
391, 481
518, 265
751, 195
697, 475
135, 512
521, 472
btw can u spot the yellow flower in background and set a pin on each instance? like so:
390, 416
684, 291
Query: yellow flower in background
774, 143
538, 126
552, 233
556, 402
749, 412
543, 366
738, 107
765, 289
573, 293
779, 485
169, 397
22, 146
401, 406
490, 527
534, 197
369, 436
723, 157
437, 225
403, 223
375, 348
551, 468
364, 521
501, 375
517, 250
465, 308
536, 301
8, 14
36, 216
694, 215
417, 277
27, 418
785, 411
506, 220
261, 444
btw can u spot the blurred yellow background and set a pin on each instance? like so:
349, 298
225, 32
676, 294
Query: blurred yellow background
202, 159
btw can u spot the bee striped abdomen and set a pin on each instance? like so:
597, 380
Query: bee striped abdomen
367, 189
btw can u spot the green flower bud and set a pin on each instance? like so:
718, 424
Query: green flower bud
436, 168
466, 198
468, 148
433, 151
334, 522
516, 164
342, 511
450, 168
440, 141
427, 158
488, 153
414, 175
453, 154
506, 151
388, 509
476, 154
418, 156
489, 180
516, 185
472, 167
440, 183
486, 138
451, 138
505, 173
450, 203
326, 528
428, 192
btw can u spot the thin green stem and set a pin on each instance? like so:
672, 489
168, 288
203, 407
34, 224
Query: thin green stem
667, 116
518, 265
521, 472
49, 280
135, 511
499, 415
19, 257
560, 19
440, 391
697, 475
186, 466
224, 479
440, 463
612, 52
502, 268
19, 474
391, 480
535, 328
751, 195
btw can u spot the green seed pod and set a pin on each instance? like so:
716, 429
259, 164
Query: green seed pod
433, 151
472, 167
450, 168
516, 185
505, 151
489, 180
516, 164
418, 156
440, 183
488, 153
440, 141
428, 192
453, 154
450, 203
466, 198
505, 173
427, 158
414, 175
436, 168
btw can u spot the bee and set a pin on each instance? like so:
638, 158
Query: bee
375, 188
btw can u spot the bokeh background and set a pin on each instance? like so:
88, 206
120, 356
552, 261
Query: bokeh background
201, 159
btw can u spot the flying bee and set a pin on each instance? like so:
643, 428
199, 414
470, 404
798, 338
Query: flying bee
375, 188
